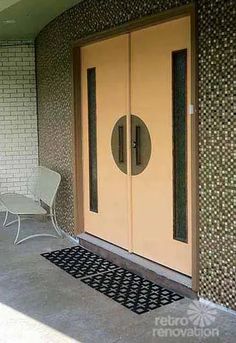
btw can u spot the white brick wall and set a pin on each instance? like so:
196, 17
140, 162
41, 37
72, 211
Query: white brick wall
18, 116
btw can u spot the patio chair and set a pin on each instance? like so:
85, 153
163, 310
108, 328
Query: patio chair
44, 186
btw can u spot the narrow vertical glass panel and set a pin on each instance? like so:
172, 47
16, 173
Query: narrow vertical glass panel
92, 134
179, 93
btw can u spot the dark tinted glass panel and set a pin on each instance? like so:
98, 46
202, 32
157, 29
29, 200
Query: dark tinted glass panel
92, 128
179, 87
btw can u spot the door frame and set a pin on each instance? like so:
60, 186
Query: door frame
188, 10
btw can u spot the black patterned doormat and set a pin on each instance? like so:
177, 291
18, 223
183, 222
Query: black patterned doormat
128, 289
132, 291
79, 262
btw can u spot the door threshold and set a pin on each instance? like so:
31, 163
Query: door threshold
147, 269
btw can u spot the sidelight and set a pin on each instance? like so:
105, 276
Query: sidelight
92, 133
179, 92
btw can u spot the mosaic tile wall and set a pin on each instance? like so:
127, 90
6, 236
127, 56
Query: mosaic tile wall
54, 78
216, 21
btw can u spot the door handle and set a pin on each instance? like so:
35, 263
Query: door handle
137, 145
121, 143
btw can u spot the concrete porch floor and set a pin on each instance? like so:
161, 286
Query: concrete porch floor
41, 303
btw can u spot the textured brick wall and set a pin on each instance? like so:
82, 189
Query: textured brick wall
18, 117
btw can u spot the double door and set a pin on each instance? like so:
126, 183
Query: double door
137, 142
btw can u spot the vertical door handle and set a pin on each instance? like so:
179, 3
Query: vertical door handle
121, 143
138, 144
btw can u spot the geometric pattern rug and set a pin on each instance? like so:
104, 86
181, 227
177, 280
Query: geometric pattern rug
79, 262
128, 289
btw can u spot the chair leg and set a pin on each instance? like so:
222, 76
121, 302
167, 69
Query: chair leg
55, 218
5, 220
37, 235
16, 221
18, 230
16, 242
54, 221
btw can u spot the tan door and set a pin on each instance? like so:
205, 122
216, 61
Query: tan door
151, 100
132, 75
104, 100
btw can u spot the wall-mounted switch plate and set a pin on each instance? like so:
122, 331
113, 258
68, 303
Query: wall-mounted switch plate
191, 109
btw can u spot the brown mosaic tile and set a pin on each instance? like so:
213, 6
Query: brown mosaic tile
216, 25
216, 40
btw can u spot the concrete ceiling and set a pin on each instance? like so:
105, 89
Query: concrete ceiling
23, 19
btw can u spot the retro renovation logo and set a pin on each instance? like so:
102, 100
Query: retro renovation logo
199, 322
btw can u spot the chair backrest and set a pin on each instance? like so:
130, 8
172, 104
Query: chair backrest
46, 183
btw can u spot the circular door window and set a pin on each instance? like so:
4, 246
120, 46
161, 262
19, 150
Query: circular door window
140, 145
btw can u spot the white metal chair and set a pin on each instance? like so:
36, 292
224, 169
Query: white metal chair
44, 186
